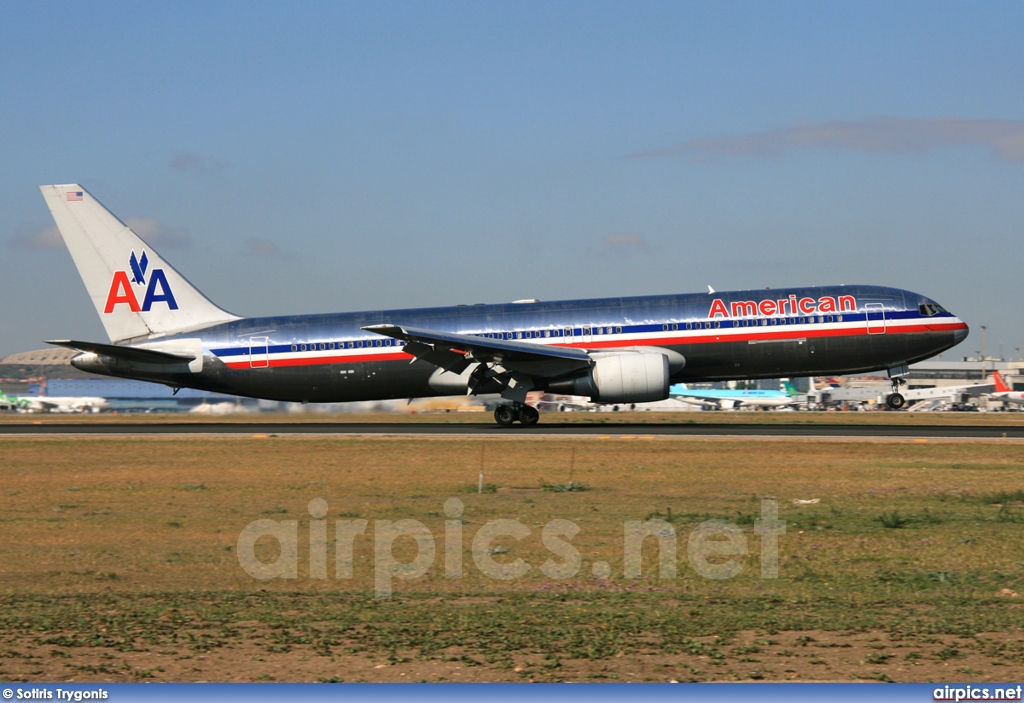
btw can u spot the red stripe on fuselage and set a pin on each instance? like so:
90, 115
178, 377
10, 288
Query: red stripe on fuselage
774, 333
316, 361
709, 337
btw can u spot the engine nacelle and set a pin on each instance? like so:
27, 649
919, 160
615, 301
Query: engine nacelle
630, 377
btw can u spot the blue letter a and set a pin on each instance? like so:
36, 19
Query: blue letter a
165, 295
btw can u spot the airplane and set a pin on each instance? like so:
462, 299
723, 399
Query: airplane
729, 399
613, 350
42, 404
1004, 392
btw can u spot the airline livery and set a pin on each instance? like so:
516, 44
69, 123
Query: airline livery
613, 350
52, 404
1004, 392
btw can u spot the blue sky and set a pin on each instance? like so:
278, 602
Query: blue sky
316, 157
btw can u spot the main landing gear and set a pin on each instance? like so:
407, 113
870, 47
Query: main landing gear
895, 400
505, 415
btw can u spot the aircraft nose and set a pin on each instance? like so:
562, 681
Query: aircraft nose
961, 334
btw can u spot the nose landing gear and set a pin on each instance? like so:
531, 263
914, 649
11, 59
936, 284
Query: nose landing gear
506, 415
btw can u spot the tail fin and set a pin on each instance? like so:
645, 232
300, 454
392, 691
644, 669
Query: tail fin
790, 389
1001, 386
12, 402
136, 293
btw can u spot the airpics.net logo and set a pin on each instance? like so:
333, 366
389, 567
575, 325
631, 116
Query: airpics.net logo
714, 548
977, 693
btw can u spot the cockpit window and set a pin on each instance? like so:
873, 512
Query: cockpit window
930, 309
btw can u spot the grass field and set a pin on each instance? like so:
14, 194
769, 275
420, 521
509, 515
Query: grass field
118, 560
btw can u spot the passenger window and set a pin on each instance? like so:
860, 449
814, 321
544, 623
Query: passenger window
618, 330
718, 324
295, 348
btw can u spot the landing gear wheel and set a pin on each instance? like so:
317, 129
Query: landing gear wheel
504, 415
528, 416
895, 401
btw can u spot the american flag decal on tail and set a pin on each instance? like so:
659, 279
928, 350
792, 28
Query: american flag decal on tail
74, 195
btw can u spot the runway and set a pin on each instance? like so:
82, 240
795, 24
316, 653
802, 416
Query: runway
492, 430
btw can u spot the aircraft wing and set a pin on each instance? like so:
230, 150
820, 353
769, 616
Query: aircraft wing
457, 352
680, 392
505, 366
694, 400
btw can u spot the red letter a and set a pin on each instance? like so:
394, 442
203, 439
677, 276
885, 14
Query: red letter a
121, 292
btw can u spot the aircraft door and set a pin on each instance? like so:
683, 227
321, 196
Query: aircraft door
259, 352
875, 315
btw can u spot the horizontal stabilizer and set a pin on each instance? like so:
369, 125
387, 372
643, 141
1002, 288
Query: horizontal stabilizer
149, 356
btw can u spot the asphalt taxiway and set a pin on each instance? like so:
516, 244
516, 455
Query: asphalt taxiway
489, 429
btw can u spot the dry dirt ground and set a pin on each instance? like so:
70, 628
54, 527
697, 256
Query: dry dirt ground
812, 655
118, 560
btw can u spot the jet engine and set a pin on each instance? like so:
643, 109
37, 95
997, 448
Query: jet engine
629, 377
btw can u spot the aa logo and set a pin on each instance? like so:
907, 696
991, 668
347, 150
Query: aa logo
122, 289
